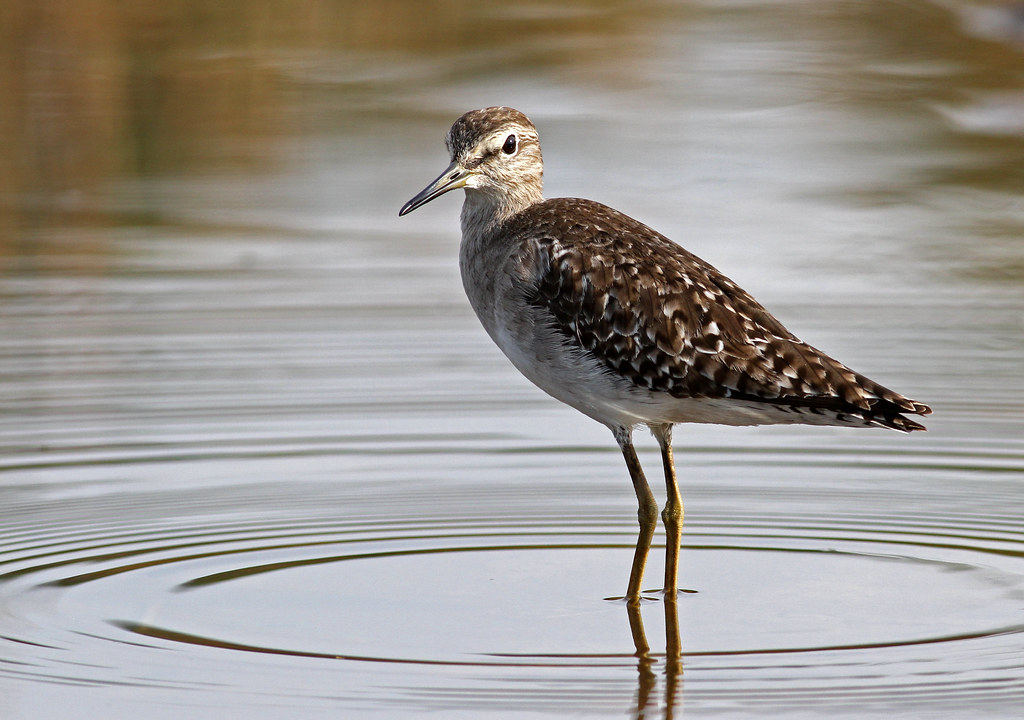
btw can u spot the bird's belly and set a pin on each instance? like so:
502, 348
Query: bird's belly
582, 385
562, 369
616, 402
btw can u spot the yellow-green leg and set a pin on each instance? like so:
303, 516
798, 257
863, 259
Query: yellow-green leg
647, 514
672, 515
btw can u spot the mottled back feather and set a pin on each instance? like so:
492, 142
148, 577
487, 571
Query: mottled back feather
667, 321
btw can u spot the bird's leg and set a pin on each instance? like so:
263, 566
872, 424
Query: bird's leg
672, 515
647, 513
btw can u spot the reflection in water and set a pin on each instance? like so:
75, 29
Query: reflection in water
647, 682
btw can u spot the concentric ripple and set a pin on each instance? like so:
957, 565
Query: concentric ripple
462, 611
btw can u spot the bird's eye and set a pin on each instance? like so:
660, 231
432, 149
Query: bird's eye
510, 145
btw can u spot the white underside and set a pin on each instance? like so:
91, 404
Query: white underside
581, 381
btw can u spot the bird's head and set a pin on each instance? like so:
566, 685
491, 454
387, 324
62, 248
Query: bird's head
495, 155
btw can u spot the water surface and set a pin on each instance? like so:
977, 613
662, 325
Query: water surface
258, 459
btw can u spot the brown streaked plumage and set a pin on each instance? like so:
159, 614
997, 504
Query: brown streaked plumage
669, 322
614, 319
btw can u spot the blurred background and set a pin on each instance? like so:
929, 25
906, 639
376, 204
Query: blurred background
216, 333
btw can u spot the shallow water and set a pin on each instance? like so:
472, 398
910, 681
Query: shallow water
258, 459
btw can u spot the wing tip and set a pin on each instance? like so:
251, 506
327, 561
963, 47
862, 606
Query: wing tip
895, 420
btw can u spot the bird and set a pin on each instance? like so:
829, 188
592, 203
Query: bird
626, 326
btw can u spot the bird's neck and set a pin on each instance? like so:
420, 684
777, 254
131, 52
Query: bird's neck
483, 211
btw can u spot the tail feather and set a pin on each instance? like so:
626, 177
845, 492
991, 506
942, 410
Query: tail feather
887, 407
889, 414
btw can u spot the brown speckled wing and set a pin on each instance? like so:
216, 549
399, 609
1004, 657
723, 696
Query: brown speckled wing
667, 321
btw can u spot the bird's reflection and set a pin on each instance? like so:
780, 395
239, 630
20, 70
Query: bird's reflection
647, 705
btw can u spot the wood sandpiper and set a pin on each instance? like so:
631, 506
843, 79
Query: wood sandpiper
616, 320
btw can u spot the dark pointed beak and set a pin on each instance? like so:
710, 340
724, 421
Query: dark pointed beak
453, 178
